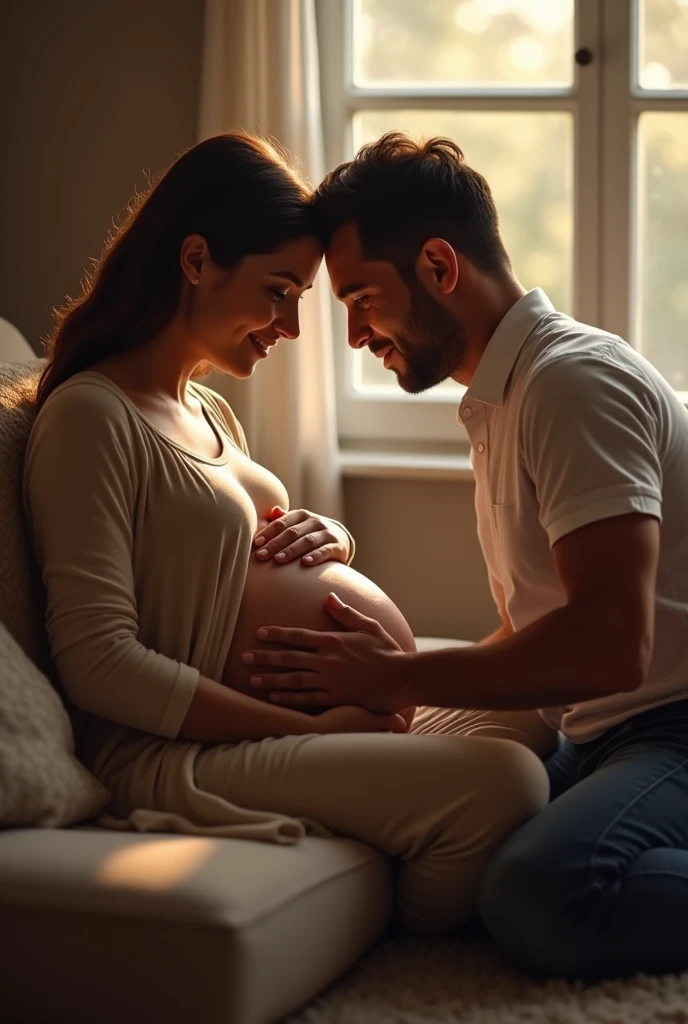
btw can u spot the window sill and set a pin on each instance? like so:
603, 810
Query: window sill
405, 466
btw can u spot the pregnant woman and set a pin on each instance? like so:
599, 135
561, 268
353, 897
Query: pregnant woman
144, 508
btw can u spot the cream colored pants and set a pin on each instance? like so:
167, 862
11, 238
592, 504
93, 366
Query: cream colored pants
440, 800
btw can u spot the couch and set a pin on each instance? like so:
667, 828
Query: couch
107, 926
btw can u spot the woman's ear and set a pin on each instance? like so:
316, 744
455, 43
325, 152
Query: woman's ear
194, 253
437, 266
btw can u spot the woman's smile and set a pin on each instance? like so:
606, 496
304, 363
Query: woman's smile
261, 347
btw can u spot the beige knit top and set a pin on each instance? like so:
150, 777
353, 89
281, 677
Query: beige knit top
144, 548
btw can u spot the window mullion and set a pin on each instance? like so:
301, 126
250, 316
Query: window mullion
617, 220
332, 31
460, 101
587, 169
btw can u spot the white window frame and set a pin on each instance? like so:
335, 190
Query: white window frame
622, 103
605, 104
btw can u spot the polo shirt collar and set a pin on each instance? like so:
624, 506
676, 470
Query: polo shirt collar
499, 358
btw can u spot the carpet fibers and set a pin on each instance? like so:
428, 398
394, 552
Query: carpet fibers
459, 981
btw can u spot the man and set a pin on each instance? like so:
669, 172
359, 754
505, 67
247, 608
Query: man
580, 452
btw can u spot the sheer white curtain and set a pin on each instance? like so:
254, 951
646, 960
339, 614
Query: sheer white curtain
261, 73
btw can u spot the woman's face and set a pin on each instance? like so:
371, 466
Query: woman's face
237, 316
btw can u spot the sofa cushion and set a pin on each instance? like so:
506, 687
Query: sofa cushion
436, 643
41, 781
113, 926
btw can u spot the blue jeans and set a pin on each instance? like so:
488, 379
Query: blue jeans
596, 884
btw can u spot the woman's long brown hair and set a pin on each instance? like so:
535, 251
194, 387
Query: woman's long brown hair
236, 190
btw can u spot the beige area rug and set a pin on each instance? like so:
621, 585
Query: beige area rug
433, 981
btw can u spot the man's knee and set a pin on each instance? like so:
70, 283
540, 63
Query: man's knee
525, 904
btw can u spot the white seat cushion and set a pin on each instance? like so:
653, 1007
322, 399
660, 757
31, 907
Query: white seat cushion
113, 926
436, 643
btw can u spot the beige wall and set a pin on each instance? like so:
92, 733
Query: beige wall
417, 540
95, 93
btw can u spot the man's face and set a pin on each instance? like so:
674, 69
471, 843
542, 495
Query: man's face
420, 340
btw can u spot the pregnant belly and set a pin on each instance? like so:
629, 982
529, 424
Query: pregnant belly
294, 595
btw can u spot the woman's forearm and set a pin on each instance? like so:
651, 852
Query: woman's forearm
218, 714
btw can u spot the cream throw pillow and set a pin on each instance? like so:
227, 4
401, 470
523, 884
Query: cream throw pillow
41, 781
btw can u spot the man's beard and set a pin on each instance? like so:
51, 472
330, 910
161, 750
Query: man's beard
431, 342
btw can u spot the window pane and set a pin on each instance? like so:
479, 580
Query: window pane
527, 158
663, 44
526, 43
662, 257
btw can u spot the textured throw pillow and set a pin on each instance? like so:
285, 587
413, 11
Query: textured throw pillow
41, 781
21, 599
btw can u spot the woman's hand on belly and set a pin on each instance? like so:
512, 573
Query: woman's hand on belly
301, 534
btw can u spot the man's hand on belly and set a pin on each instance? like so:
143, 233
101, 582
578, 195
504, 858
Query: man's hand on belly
301, 534
361, 666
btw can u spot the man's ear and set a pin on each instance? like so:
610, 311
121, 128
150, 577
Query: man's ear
437, 266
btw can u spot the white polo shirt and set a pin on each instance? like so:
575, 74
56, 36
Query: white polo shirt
569, 425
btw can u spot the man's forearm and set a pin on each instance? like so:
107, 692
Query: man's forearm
559, 659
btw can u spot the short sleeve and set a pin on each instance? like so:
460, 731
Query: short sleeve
589, 428
80, 483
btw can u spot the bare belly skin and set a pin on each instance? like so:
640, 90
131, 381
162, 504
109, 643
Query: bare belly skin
294, 595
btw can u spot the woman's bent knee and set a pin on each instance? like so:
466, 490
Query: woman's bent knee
503, 784
514, 780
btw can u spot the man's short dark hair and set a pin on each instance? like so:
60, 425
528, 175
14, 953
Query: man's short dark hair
399, 192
